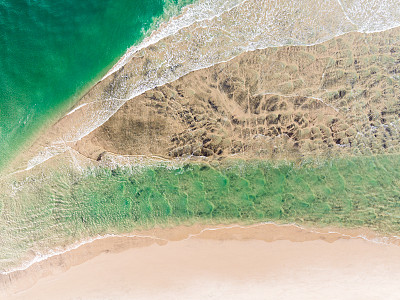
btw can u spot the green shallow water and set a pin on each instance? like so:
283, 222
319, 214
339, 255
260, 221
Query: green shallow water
51, 50
42, 212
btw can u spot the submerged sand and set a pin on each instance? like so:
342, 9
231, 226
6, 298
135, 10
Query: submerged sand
289, 102
335, 98
251, 262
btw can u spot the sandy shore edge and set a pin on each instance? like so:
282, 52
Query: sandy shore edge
21, 281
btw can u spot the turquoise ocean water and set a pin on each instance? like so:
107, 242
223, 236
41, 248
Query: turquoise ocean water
51, 50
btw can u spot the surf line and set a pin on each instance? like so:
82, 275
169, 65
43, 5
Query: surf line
171, 29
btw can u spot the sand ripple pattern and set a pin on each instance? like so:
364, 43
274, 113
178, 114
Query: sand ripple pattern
52, 211
216, 35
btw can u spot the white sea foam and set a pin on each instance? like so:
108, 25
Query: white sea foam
214, 31
76, 108
202, 10
372, 15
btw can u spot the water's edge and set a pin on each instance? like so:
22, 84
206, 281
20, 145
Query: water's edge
29, 273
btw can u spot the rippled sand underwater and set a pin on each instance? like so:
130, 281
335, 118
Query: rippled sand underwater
210, 32
69, 206
66, 191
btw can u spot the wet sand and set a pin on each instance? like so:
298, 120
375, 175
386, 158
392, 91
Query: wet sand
286, 102
259, 262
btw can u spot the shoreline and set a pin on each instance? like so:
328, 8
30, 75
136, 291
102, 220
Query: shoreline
340, 233
60, 262
302, 103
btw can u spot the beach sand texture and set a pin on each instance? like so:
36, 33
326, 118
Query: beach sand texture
285, 122
261, 262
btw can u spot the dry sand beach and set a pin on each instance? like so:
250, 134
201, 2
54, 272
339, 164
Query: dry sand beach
262, 261
182, 123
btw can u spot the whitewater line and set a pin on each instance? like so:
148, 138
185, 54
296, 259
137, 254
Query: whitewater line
193, 70
251, 44
123, 101
164, 31
77, 108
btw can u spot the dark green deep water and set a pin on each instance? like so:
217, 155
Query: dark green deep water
50, 50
